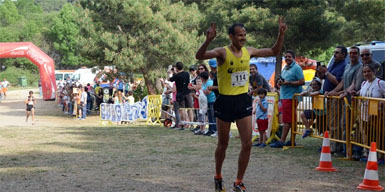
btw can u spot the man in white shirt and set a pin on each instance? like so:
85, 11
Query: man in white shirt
83, 103
5, 84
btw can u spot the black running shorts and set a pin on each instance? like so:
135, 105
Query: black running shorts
29, 107
232, 107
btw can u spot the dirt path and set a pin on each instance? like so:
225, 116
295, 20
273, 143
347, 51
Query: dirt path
59, 153
47, 113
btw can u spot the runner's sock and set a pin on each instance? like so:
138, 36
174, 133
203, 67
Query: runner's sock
218, 176
238, 181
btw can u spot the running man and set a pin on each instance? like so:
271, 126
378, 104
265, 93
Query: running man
30, 102
233, 102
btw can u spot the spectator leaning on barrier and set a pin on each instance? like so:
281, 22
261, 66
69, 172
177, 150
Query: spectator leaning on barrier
351, 71
308, 116
291, 82
371, 87
366, 57
333, 75
352, 75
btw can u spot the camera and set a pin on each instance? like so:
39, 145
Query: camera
281, 78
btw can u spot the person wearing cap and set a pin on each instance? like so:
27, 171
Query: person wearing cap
233, 102
257, 80
213, 67
213, 76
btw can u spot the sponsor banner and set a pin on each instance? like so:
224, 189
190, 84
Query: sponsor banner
124, 112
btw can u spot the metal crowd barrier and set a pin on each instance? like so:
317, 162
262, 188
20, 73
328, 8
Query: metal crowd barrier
368, 122
358, 122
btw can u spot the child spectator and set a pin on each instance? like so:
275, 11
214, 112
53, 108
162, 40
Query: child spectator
202, 99
131, 99
261, 117
117, 97
206, 82
308, 116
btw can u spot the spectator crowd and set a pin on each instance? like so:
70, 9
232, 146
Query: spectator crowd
80, 101
190, 96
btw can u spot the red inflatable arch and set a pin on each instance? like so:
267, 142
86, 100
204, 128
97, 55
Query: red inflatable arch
39, 58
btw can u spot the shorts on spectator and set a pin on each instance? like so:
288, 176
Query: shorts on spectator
262, 124
185, 101
201, 117
232, 107
287, 110
309, 114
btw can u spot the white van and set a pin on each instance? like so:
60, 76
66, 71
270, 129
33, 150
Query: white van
84, 76
62, 75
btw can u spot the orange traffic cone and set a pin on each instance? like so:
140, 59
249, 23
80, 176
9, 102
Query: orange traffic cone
371, 172
325, 163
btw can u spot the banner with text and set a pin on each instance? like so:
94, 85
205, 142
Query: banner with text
124, 112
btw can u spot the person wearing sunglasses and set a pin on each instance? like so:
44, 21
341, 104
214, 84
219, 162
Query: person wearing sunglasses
233, 102
366, 57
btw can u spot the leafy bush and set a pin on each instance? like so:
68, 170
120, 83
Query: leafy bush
140, 92
12, 74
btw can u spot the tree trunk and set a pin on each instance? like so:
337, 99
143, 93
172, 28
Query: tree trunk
149, 84
278, 66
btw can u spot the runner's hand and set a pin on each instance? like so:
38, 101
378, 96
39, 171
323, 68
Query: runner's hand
211, 32
282, 25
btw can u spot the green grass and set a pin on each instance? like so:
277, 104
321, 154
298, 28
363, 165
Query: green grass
155, 157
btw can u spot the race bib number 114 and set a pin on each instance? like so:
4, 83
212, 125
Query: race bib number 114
239, 78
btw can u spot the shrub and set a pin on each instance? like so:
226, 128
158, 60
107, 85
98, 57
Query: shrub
140, 92
12, 74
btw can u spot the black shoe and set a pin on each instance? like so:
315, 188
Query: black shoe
356, 156
208, 133
196, 129
219, 185
239, 188
180, 129
174, 127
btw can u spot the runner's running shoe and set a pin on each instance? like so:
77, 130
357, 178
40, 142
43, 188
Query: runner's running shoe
239, 188
219, 185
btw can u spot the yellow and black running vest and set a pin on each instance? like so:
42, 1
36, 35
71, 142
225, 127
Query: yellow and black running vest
233, 74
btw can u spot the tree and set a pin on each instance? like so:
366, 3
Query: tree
65, 34
364, 21
21, 21
143, 36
